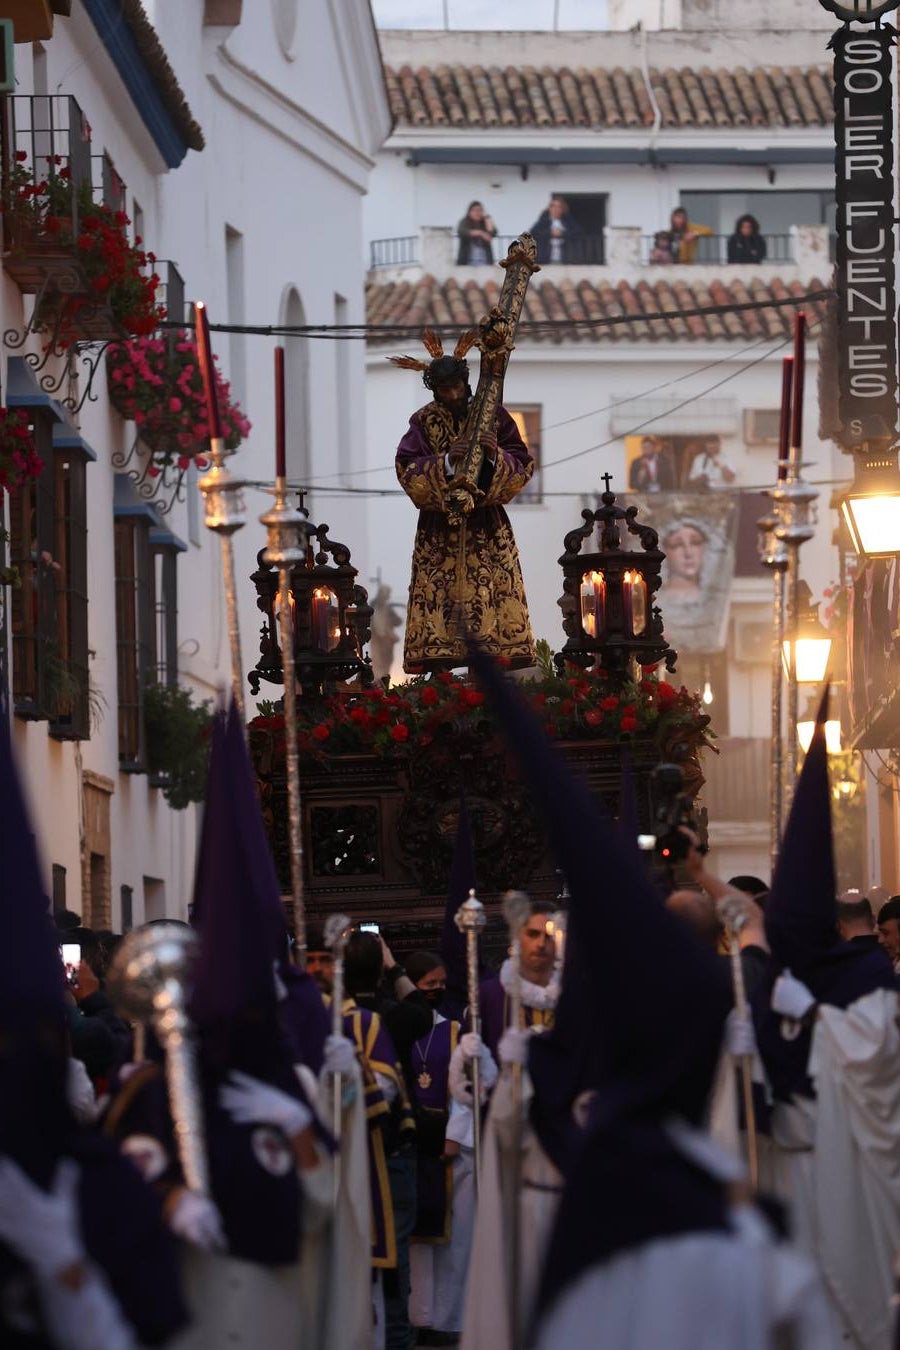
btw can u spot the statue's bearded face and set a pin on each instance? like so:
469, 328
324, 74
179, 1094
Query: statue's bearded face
454, 396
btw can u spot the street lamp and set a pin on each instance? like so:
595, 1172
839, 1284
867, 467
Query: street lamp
806, 728
806, 655
871, 509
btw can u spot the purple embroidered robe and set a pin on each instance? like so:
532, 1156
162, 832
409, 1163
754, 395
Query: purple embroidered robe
466, 579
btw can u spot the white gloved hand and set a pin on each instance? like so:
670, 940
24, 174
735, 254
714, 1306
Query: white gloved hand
196, 1219
250, 1102
340, 1057
458, 1079
790, 997
41, 1227
80, 1093
740, 1039
513, 1047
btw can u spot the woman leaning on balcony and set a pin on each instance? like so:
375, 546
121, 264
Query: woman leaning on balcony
476, 233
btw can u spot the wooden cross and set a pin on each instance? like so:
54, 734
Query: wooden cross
607, 479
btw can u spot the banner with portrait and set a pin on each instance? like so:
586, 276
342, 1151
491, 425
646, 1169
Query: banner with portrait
697, 532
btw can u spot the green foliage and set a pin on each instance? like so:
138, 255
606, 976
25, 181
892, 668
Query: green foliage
177, 731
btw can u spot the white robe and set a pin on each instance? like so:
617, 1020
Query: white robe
311, 1303
853, 1218
700, 1291
486, 1322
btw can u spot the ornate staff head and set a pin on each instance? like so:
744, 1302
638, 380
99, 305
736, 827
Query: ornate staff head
148, 980
441, 370
337, 933
470, 917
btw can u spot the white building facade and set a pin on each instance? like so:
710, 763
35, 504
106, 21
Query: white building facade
239, 143
627, 127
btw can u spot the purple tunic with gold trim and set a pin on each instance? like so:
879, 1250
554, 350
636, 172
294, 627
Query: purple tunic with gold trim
389, 1122
469, 571
431, 1065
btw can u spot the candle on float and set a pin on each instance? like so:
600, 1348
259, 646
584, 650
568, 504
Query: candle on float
207, 371
784, 425
627, 602
593, 603
280, 453
799, 381
321, 603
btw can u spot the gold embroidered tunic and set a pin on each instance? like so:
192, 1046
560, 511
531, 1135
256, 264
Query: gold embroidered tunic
466, 579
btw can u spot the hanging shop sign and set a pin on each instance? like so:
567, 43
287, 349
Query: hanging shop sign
860, 11
864, 258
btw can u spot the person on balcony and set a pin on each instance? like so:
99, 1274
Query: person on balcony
476, 232
661, 252
685, 235
559, 237
746, 245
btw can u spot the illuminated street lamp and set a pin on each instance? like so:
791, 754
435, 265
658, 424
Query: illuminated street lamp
806, 728
871, 509
812, 647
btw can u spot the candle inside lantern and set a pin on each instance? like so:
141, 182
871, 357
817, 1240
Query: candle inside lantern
593, 604
207, 371
292, 608
326, 631
634, 591
280, 454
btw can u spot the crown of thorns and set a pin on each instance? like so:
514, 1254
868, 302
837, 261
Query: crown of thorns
441, 369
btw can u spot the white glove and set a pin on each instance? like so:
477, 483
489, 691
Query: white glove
513, 1047
41, 1227
340, 1057
458, 1080
740, 1039
196, 1219
80, 1093
790, 997
250, 1102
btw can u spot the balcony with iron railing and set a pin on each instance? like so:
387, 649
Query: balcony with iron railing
620, 252
65, 231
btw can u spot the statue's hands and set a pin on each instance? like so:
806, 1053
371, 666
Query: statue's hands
489, 443
457, 452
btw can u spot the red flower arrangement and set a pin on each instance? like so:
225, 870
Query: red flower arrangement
19, 459
54, 214
156, 383
576, 705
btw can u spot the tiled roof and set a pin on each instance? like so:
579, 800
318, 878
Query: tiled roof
424, 302
479, 96
161, 73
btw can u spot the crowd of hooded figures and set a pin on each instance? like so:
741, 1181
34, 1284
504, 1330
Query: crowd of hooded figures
570, 1171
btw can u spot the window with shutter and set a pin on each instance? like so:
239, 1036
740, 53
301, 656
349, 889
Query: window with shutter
135, 619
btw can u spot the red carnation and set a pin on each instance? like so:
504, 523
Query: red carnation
360, 717
429, 696
628, 723
471, 698
593, 717
666, 693
610, 703
321, 732
399, 732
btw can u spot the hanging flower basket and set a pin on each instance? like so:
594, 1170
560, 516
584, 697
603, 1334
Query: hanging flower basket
156, 383
19, 459
92, 282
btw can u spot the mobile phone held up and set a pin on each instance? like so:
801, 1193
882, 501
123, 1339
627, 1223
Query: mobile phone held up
71, 959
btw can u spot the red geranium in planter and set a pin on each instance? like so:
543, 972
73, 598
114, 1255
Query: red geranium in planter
19, 460
156, 383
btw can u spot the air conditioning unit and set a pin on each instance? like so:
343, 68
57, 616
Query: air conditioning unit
761, 426
752, 642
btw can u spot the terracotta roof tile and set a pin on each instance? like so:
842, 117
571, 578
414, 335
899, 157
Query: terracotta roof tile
163, 76
427, 302
481, 96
